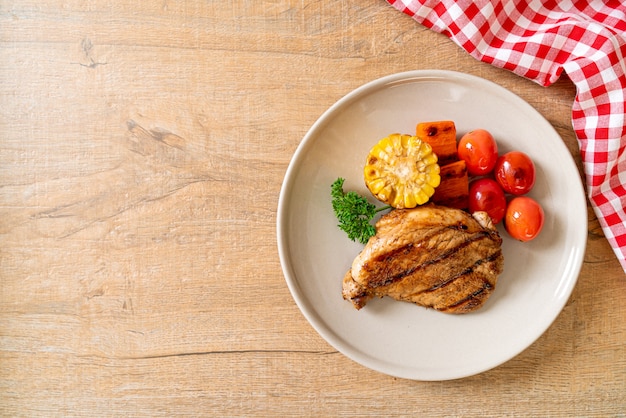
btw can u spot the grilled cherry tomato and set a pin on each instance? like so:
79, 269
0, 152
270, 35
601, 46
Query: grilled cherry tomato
524, 218
479, 150
486, 195
515, 172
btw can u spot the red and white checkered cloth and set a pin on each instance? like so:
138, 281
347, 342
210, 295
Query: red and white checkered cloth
539, 40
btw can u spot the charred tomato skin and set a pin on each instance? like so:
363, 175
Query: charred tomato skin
515, 172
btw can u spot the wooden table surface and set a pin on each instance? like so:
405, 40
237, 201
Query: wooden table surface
143, 148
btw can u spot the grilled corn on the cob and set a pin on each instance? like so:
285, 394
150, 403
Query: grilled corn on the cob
402, 171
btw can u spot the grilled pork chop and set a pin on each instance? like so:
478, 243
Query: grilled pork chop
434, 256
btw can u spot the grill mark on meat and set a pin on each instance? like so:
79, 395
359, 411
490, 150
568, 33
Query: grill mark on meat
469, 270
486, 287
442, 257
405, 249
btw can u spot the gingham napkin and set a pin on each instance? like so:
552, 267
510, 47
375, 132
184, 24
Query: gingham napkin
539, 40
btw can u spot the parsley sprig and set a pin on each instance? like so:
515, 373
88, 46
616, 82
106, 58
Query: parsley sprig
354, 212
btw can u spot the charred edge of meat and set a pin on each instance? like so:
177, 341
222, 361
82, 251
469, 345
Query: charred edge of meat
359, 301
354, 292
443, 256
362, 296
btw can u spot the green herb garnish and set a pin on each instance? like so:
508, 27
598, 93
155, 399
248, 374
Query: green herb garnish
354, 213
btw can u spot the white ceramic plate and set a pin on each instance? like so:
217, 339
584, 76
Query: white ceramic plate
402, 339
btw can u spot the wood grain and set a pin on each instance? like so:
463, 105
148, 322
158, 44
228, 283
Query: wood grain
143, 147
